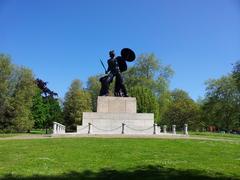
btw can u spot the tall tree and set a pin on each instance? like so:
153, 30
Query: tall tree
182, 110
39, 110
76, 102
149, 72
46, 108
6, 69
146, 100
93, 87
24, 92
236, 74
54, 112
221, 105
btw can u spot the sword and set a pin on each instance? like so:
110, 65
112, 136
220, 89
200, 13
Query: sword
103, 65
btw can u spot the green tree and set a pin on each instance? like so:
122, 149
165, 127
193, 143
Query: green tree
54, 112
6, 69
23, 94
149, 72
93, 87
164, 102
146, 100
182, 110
76, 102
39, 110
221, 104
236, 74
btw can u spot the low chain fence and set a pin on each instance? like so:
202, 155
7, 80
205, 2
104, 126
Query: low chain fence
123, 129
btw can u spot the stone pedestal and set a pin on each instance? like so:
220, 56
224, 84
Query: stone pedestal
112, 113
108, 104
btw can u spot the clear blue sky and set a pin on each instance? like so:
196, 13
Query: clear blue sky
61, 40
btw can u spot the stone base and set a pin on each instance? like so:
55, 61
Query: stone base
116, 104
112, 113
116, 116
111, 123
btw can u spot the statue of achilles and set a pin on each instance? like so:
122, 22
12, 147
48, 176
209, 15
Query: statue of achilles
116, 65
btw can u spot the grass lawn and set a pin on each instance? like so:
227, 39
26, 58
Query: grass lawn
128, 159
215, 135
35, 131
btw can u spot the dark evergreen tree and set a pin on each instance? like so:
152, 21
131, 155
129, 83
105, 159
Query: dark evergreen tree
39, 110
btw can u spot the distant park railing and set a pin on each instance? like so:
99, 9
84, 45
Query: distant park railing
58, 128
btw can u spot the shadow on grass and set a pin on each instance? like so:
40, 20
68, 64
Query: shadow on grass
139, 173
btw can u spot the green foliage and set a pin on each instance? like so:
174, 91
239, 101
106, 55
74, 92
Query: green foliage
164, 103
221, 107
5, 76
149, 72
93, 87
39, 110
24, 92
236, 74
146, 101
46, 109
182, 110
76, 102
54, 112
17, 89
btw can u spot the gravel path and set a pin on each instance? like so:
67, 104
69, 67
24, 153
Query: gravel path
72, 135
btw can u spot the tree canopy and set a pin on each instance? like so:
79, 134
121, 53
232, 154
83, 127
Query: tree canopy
76, 102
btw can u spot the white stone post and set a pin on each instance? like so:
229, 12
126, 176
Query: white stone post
89, 128
174, 129
54, 128
154, 128
159, 129
185, 129
61, 129
123, 128
165, 129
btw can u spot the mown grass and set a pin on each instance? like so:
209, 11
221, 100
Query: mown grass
214, 135
35, 131
5, 135
99, 158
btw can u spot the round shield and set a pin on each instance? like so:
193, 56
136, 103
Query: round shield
128, 54
121, 63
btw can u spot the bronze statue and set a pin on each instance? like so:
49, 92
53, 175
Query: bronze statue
116, 65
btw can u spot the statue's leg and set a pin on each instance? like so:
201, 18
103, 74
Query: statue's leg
103, 90
117, 88
105, 82
121, 84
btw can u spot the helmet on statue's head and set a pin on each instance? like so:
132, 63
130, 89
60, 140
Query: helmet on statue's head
112, 54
